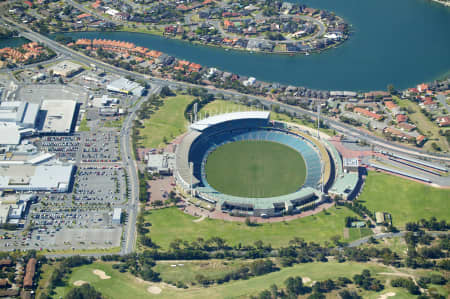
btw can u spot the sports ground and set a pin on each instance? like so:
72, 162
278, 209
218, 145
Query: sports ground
255, 169
404, 199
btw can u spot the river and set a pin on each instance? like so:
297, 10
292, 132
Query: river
399, 42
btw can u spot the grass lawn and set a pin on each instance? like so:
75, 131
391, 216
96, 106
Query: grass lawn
84, 126
404, 199
187, 270
222, 106
396, 244
124, 285
44, 278
358, 233
169, 224
168, 122
118, 286
255, 169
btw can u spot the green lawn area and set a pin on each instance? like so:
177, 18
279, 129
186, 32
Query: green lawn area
118, 286
84, 125
222, 106
255, 169
358, 233
404, 199
124, 285
168, 122
187, 270
396, 244
44, 278
169, 224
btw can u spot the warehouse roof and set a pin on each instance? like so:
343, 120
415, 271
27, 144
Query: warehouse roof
51, 177
59, 115
9, 135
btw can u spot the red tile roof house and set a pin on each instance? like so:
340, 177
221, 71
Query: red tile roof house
420, 139
367, 113
443, 121
422, 87
401, 118
390, 105
29, 273
406, 126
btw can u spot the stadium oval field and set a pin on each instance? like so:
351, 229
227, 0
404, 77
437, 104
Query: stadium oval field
245, 164
255, 169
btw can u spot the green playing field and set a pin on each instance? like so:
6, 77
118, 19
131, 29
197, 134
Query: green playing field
255, 169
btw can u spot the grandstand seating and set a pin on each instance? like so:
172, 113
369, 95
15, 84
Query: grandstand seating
206, 143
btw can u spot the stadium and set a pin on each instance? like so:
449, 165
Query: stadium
246, 164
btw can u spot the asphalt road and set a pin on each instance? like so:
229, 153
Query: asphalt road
133, 180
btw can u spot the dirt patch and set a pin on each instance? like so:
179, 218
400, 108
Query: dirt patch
154, 290
101, 274
79, 283
385, 296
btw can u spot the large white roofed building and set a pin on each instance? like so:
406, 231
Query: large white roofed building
46, 177
59, 115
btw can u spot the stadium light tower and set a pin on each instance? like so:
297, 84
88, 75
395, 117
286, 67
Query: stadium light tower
318, 121
195, 111
191, 170
322, 169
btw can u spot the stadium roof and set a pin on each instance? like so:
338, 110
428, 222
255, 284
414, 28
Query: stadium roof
345, 184
182, 158
217, 119
259, 203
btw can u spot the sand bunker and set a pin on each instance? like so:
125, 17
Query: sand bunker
101, 274
306, 279
154, 290
200, 219
79, 283
385, 296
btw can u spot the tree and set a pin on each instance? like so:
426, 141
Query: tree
346, 294
391, 88
265, 295
274, 290
336, 240
166, 92
294, 286
86, 291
